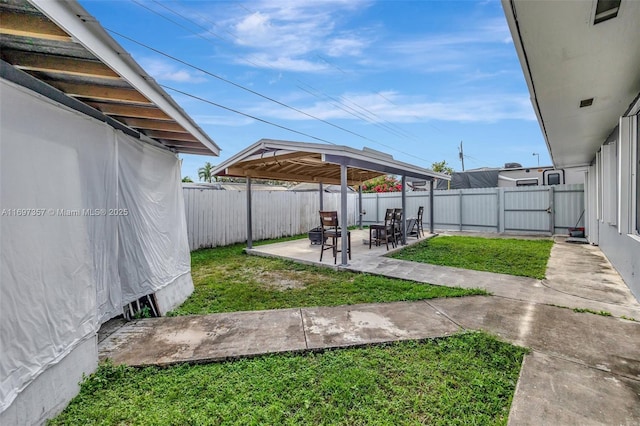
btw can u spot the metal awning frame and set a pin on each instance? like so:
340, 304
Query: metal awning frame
275, 159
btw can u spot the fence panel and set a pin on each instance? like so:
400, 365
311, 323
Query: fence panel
526, 209
568, 207
480, 210
515, 210
446, 209
218, 218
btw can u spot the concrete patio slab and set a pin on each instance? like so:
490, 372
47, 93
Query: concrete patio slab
606, 343
596, 278
373, 323
201, 338
554, 391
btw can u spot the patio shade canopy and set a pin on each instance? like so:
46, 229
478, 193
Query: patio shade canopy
320, 163
311, 162
57, 49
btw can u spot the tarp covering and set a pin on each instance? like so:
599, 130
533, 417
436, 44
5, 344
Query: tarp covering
473, 179
153, 235
70, 255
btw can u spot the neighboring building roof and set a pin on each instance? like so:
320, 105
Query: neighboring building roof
60, 44
233, 186
312, 162
569, 60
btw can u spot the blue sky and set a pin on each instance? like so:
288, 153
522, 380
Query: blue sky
410, 78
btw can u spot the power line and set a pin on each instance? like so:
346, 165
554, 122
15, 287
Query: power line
239, 85
244, 114
361, 117
355, 113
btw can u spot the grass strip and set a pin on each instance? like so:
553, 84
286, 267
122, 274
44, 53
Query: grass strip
526, 258
465, 379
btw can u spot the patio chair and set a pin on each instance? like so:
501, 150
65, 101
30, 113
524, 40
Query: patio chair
397, 227
382, 231
419, 224
331, 232
415, 226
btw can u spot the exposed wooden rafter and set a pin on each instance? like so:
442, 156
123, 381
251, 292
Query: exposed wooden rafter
159, 134
258, 174
96, 92
134, 111
33, 26
58, 64
269, 158
143, 123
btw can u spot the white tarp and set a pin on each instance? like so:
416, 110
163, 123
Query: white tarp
153, 235
70, 255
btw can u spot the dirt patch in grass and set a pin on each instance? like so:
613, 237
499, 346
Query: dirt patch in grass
282, 280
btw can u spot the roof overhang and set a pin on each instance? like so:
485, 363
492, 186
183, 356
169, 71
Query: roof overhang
311, 162
566, 59
61, 45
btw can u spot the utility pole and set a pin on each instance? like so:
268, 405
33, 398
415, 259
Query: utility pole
461, 154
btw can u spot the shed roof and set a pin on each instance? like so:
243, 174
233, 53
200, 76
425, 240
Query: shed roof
60, 44
312, 162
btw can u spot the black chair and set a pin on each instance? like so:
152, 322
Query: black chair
419, 224
382, 232
415, 226
396, 238
331, 232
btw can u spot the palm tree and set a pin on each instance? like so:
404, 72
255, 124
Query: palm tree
204, 173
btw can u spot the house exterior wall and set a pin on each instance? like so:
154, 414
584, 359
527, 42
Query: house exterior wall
623, 251
50, 392
612, 199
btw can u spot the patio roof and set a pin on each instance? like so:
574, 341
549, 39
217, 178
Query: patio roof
58, 49
320, 163
311, 162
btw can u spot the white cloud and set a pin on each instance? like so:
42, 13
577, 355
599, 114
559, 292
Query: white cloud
449, 51
290, 33
166, 71
395, 108
345, 46
224, 120
284, 63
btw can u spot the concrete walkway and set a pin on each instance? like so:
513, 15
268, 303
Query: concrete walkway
583, 368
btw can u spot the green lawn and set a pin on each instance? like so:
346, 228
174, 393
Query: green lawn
228, 280
464, 379
527, 258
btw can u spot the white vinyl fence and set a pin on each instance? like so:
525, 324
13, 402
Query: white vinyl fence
218, 218
528, 209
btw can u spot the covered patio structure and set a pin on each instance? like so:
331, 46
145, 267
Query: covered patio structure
321, 164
